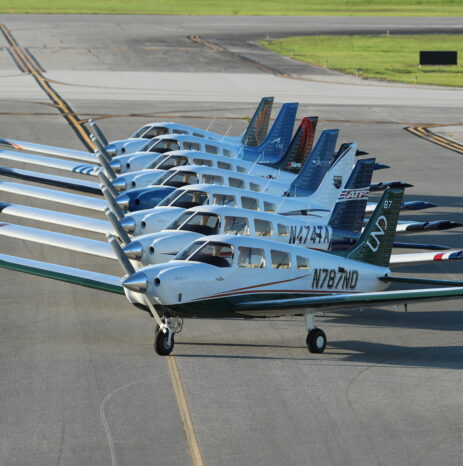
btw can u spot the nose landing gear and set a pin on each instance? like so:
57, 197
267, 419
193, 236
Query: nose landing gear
164, 341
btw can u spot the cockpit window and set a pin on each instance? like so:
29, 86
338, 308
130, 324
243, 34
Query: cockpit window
162, 145
172, 161
214, 253
178, 179
206, 224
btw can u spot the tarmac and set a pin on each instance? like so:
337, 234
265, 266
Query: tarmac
80, 382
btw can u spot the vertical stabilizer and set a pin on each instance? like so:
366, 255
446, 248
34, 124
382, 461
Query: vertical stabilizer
316, 166
299, 148
375, 243
281, 132
349, 211
258, 126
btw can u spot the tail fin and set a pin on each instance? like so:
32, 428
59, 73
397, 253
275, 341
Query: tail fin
299, 148
316, 166
279, 136
349, 211
258, 126
375, 243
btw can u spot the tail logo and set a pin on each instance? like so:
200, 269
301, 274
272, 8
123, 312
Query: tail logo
337, 181
354, 194
381, 226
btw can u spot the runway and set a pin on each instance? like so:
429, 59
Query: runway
80, 382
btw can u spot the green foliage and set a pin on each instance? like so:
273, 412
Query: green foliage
387, 57
242, 7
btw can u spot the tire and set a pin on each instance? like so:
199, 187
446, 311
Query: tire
316, 341
160, 343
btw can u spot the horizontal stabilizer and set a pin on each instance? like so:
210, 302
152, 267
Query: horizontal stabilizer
436, 225
66, 165
75, 200
431, 247
83, 156
57, 218
52, 180
380, 166
417, 205
426, 257
62, 273
59, 240
389, 184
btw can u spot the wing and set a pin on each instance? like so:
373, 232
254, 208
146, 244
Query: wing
52, 180
59, 240
76, 200
57, 218
50, 150
85, 169
81, 277
343, 301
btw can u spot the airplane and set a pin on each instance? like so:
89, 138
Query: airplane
258, 126
254, 134
291, 280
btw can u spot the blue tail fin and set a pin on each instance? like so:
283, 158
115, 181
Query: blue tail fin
349, 211
258, 126
316, 166
300, 147
279, 136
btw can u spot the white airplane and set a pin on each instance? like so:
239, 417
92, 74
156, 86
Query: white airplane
256, 132
216, 277
253, 135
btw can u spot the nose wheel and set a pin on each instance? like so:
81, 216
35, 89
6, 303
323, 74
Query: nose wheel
316, 338
164, 341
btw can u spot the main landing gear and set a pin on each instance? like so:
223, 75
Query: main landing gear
316, 338
164, 341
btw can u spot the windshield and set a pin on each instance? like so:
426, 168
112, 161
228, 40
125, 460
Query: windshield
162, 145
172, 161
139, 132
206, 224
212, 252
186, 199
179, 179
178, 221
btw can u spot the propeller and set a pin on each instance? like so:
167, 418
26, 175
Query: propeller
96, 131
113, 205
118, 228
136, 281
107, 184
109, 172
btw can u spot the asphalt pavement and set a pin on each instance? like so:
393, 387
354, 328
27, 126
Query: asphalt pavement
80, 382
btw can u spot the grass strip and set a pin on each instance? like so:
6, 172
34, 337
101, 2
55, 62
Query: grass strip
241, 7
387, 57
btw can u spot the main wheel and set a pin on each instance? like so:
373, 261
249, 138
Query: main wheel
161, 343
316, 341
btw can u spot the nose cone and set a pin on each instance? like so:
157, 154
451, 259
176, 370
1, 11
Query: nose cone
136, 282
123, 201
111, 149
128, 224
120, 184
134, 250
116, 165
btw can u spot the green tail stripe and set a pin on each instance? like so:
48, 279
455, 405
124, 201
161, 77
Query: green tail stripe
87, 282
